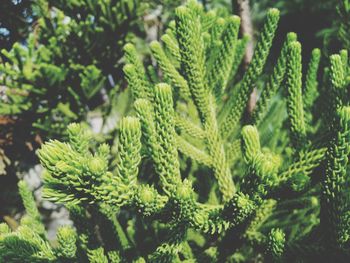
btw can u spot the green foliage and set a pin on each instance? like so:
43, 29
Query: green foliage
275, 80
68, 66
310, 88
237, 104
15, 23
29, 243
335, 182
344, 22
66, 238
276, 240
190, 177
295, 101
33, 218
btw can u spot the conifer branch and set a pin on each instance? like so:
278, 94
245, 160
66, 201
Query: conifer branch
139, 73
97, 256
145, 113
294, 101
188, 33
220, 72
337, 71
274, 81
276, 244
310, 89
168, 166
67, 248
261, 215
117, 187
306, 163
134, 81
193, 152
343, 11
188, 127
34, 218
239, 54
233, 151
149, 201
170, 72
237, 104
171, 45
311, 86
333, 202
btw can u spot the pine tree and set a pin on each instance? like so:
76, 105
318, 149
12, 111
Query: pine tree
191, 177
